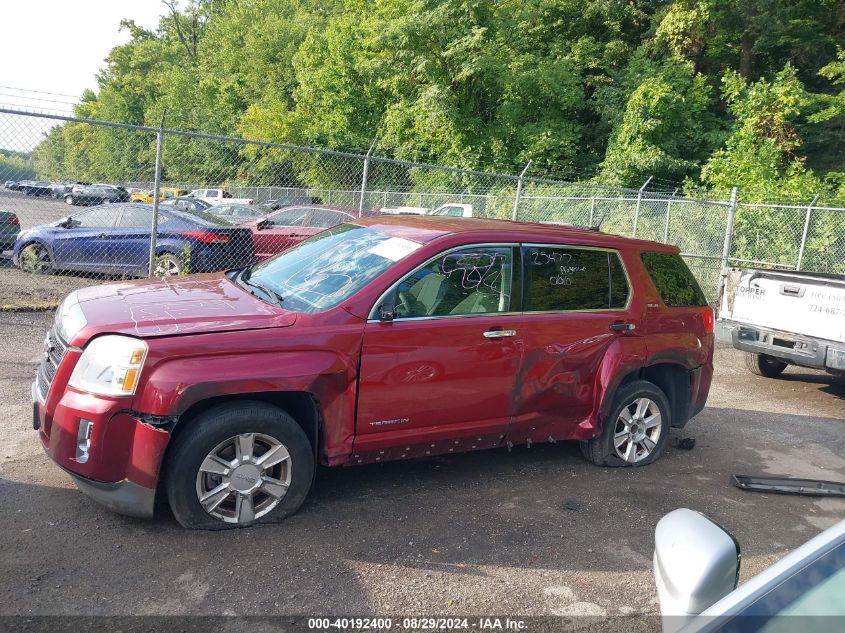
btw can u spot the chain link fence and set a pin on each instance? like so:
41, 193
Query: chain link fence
79, 200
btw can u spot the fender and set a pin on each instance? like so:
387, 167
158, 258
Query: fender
173, 385
625, 356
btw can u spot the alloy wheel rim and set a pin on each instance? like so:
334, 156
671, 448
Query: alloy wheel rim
243, 478
637, 430
166, 267
38, 261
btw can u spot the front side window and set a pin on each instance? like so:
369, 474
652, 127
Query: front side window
474, 280
813, 594
564, 278
331, 266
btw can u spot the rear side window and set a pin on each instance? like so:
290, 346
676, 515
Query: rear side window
673, 280
562, 278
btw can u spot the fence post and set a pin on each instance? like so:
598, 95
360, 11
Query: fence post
156, 189
804, 234
729, 229
365, 176
519, 192
668, 211
592, 211
639, 202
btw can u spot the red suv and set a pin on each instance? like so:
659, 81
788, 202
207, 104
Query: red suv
391, 337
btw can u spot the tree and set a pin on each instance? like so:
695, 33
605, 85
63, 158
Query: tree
762, 153
665, 131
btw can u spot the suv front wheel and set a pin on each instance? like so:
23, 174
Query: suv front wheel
636, 429
238, 464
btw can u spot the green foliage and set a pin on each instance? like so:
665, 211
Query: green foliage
760, 155
15, 166
664, 131
185, 260
724, 93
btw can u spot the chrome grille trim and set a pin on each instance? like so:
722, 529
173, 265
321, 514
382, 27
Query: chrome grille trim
53, 355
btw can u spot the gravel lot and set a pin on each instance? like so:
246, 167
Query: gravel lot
534, 531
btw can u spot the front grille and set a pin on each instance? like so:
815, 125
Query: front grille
54, 352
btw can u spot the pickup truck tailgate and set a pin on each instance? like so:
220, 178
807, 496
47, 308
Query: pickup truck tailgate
802, 303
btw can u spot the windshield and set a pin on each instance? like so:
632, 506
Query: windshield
331, 266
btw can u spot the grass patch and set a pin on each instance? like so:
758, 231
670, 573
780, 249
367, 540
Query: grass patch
28, 304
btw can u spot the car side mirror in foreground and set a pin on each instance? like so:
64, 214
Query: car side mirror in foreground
696, 564
263, 224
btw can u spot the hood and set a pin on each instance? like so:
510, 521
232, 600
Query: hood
170, 306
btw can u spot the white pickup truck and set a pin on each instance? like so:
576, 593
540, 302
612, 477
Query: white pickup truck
218, 196
785, 318
450, 210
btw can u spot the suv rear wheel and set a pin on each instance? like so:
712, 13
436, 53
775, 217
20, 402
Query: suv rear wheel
239, 464
764, 365
636, 429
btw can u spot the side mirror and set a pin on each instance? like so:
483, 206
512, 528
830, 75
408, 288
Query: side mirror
696, 564
386, 313
66, 223
263, 224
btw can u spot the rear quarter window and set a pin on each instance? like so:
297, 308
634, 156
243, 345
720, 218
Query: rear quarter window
674, 281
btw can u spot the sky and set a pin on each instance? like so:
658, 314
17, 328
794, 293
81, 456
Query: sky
56, 47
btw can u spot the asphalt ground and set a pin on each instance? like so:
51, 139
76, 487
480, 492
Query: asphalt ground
532, 531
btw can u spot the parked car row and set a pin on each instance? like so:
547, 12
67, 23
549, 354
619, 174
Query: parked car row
115, 239
96, 194
100, 241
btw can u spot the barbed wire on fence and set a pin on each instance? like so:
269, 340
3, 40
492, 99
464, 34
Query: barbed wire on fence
80, 193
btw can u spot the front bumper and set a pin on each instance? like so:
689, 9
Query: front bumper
123, 497
804, 351
121, 467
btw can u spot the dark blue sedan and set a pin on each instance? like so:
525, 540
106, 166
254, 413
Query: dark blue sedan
115, 239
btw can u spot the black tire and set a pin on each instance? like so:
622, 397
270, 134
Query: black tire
601, 451
218, 425
764, 365
35, 258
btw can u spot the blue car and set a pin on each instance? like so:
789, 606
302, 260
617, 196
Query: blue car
115, 239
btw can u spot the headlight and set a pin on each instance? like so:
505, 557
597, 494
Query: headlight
69, 318
110, 366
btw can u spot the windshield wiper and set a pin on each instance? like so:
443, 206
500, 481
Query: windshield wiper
245, 278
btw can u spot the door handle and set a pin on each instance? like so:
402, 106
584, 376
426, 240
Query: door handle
499, 333
623, 327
